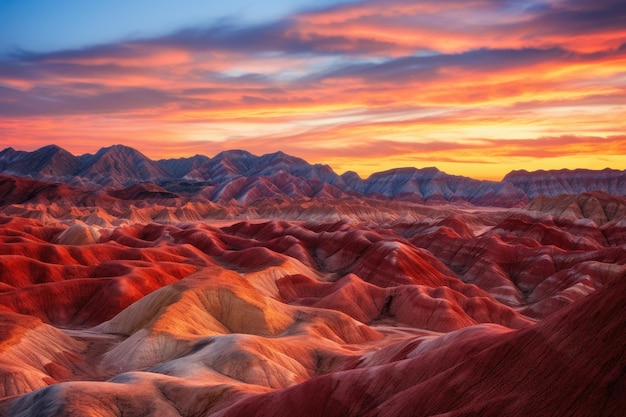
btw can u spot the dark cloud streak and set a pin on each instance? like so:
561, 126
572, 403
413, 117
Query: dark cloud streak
42, 101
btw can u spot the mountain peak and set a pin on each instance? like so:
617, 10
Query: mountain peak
233, 153
255, 176
45, 162
49, 148
8, 153
565, 181
410, 171
120, 150
121, 165
282, 157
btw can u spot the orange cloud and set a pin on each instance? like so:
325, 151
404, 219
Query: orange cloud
481, 86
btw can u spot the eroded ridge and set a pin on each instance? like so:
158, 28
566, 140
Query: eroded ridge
334, 310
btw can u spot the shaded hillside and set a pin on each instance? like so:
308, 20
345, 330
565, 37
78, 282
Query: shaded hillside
245, 178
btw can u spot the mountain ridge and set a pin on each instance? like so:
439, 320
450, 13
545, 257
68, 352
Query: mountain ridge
244, 177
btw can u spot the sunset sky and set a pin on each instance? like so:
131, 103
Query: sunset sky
476, 88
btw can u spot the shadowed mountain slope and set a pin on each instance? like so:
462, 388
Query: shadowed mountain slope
244, 177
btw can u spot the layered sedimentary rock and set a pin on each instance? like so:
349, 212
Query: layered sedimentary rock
245, 178
156, 305
267, 286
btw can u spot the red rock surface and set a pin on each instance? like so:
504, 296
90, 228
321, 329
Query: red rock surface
570, 364
338, 307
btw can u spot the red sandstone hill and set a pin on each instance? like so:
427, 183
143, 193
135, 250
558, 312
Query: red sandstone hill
265, 286
572, 363
338, 308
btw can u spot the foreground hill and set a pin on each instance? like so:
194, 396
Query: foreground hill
245, 178
570, 364
266, 286
142, 301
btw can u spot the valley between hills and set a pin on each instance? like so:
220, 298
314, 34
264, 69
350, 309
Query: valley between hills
241, 285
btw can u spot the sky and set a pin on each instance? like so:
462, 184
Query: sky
473, 87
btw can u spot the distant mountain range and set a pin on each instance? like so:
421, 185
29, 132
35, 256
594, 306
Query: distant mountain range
240, 176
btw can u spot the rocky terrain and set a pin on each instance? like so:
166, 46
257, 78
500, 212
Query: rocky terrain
228, 288
246, 178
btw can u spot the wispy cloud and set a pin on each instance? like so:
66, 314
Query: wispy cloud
388, 82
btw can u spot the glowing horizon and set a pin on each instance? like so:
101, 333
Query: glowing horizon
475, 88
